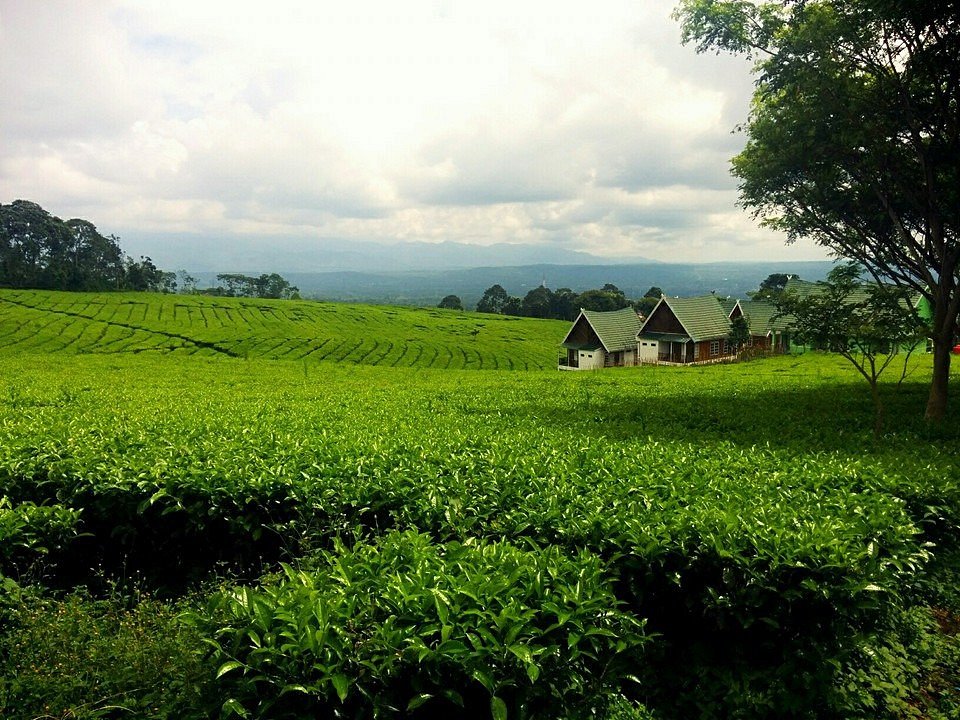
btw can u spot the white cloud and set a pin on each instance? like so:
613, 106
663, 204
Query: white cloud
424, 120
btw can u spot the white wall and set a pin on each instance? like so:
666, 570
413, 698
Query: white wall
590, 359
647, 350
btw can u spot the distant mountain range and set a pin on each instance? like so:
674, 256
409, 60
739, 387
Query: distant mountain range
420, 273
288, 255
426, 287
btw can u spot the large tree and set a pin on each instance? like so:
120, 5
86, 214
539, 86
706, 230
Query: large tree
494, 299
853, 138
39, 250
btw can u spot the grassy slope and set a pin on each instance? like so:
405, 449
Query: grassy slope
40, 321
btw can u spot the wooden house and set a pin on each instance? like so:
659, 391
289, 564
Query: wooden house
601, 339
916, 303
685, 330
767, 330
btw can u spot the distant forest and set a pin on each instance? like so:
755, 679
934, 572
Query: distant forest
40, 251
562, 304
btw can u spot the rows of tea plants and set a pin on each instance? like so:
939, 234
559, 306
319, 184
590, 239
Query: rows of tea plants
118, 323
718, 542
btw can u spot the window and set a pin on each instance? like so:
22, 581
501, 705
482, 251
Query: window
726, 347
714, 347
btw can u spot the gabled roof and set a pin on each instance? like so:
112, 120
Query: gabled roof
616, 329
728, 304
702, 317
762, 317
805, 288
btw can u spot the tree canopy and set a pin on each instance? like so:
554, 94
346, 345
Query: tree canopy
853, 138
451, 302
39, 250
542, 302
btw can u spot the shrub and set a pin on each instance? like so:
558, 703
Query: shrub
83, 658
406, 626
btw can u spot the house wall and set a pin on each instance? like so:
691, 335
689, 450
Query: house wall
701, 351
591, 359
628, 358
647, 350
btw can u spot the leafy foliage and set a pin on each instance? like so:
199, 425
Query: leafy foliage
868, 324
82, 658
310, 332
774, 553
851, 139
474, 629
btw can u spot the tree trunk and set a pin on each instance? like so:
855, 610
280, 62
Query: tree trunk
877, 409
937, 400
944, 322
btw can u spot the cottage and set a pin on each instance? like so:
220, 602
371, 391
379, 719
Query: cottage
916, 303
768, 330
685, 330
601, 339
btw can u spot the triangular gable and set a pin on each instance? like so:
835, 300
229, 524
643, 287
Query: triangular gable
614, 330
663, 319
588, 335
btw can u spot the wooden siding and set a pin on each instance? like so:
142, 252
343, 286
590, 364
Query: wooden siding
664, 321
582, 333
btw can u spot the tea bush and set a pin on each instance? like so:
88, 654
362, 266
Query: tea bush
405, 627
772, 548
83, 658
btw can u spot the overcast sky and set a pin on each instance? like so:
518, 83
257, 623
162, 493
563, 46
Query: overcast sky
581, 124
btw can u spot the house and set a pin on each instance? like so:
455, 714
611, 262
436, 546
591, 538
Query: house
685, 330
768, 331
601, 339
914, 302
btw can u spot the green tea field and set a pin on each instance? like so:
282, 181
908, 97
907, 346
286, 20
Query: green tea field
38, 321
205, 514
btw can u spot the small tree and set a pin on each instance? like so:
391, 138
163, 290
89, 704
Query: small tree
648, 302
186, 283
564, 305
868, 324
451, 302
537, 303
739, 333
603, 300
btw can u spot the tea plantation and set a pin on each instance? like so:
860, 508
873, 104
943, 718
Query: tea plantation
195, 522
78, 323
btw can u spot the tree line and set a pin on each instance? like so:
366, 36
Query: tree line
264, 286
40, 251
562, 304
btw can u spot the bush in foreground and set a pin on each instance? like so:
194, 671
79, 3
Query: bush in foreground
406, 627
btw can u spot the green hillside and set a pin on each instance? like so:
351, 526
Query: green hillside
43, 321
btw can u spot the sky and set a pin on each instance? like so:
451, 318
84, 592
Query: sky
582, 126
